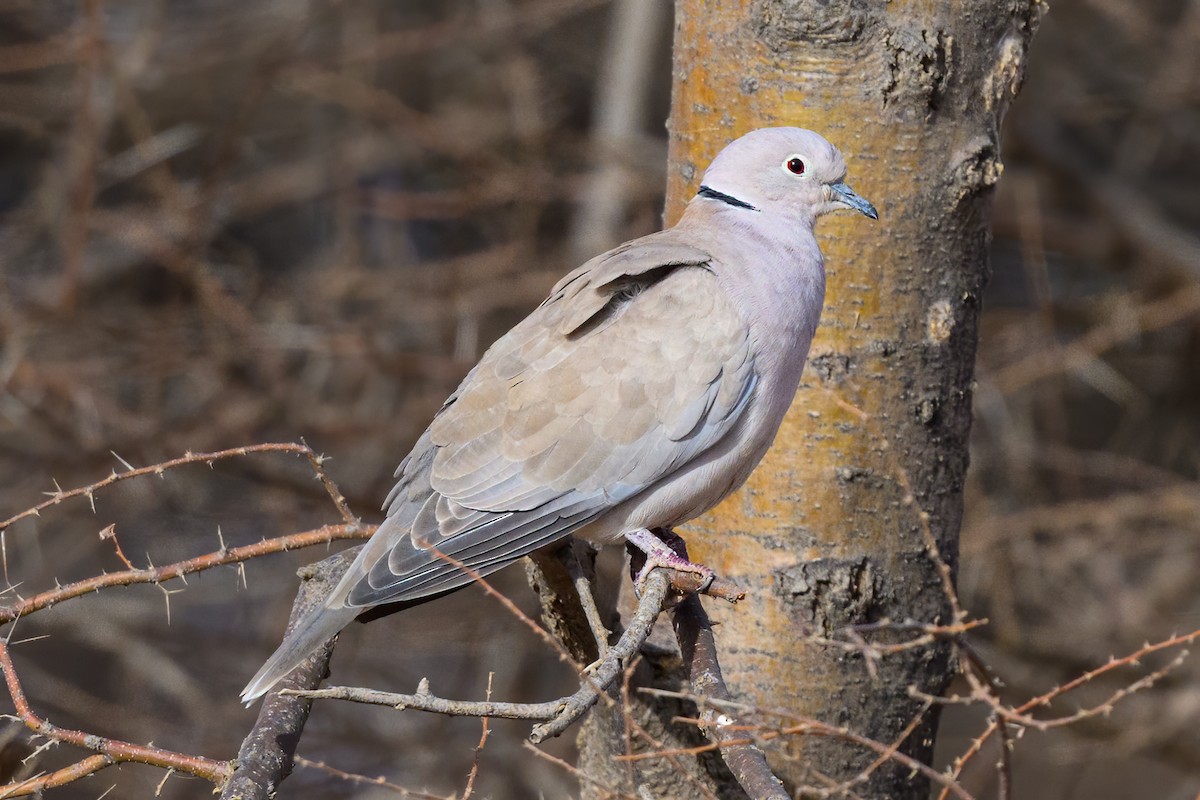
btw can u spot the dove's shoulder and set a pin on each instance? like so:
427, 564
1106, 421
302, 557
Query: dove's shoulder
586, 291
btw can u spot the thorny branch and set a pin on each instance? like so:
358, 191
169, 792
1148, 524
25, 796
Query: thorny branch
112, 751
1019, 715
159, 575
89, 491
108, 751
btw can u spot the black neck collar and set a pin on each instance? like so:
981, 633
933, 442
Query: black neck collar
713, 194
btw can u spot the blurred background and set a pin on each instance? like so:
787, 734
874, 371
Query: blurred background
225, 223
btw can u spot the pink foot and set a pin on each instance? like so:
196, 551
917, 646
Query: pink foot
657, 548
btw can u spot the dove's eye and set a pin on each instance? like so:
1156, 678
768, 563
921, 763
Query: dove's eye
795, 165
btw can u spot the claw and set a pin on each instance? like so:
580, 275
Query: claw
659, 551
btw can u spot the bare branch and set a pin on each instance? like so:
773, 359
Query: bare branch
578, 773
60, 777
744, 759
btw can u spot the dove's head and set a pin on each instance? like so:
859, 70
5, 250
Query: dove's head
783, 170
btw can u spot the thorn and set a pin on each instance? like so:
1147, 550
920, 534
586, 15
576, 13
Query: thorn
128, 466
158, 789
167, 597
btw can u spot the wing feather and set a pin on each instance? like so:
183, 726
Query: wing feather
592, 399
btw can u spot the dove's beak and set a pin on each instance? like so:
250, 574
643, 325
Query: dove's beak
842, 194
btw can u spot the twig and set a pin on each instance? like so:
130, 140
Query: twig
60, 777
884, 757
587, 601
363, 779
424, 700
90, 490
1004, 765
654, 595
578, 773
931, 545
508, 604
110, 533
317, 462
872, 652
672, 756
483, 737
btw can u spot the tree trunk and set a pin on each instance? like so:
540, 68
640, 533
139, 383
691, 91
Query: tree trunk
828, 533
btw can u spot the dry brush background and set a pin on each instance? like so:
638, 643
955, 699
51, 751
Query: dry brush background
226, 223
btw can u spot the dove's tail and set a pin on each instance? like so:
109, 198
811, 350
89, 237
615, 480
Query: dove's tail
309, 633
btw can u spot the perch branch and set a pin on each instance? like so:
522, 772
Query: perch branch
557, 715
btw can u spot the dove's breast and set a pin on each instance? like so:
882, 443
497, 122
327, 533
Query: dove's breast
777, 312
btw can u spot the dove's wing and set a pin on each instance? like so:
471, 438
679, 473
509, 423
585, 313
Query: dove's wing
633, 366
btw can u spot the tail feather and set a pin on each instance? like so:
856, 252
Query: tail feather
308, 634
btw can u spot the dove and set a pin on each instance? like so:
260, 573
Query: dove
641, 392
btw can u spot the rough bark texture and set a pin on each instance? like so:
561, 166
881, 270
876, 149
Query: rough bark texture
825, 535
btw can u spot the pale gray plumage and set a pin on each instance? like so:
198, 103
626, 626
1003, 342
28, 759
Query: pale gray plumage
639, 394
